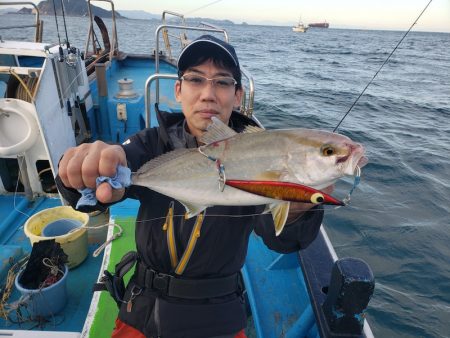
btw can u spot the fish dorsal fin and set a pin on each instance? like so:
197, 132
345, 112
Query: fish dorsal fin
164, 158
280, 213
216, 131
253, 129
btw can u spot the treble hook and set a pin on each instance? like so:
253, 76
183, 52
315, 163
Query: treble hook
346, 200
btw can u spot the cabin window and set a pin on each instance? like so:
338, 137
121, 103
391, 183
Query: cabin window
46, 176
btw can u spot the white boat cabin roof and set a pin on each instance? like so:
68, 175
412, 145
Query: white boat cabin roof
27, 48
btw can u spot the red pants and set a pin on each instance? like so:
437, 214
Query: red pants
123, 330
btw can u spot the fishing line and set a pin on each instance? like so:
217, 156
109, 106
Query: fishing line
328, 209
207, 5
17, 187
216, 215
385, 61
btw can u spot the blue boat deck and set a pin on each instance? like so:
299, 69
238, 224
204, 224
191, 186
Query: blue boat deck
14, 211
277, 313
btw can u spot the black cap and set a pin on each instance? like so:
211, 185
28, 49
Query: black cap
204, 45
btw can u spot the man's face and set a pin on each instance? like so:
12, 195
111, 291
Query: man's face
200, 104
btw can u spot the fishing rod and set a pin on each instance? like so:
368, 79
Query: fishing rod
65, 26
385, 61
61, 54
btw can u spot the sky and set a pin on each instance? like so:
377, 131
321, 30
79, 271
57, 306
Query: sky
362, 14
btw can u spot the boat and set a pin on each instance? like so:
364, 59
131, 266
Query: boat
54, 96
300, 27
319, 24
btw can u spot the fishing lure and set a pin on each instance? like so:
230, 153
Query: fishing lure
285, 191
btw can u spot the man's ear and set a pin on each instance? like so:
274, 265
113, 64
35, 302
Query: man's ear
238, 97
178, 91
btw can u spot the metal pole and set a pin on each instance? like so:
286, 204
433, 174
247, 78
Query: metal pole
148, 94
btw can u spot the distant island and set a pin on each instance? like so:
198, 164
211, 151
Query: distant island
79, 8
71, 8
143, 15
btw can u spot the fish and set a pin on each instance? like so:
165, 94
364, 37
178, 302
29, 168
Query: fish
197, 177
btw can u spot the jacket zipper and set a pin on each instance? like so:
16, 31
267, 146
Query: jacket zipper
195, 234
169, 227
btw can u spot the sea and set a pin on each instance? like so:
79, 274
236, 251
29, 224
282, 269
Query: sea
398, 220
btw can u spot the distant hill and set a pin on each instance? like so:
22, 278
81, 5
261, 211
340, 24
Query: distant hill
7, 10
143, 15
79, 8
25, 10
71, 8
139, 15
211, 21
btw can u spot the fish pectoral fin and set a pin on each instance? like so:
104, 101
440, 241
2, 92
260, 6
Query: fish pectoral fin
193, 209
280, 213
253, 129
270, 175
216, 131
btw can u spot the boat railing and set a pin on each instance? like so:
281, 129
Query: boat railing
39, 24
91, 38
248, 98
166, 35
148, 83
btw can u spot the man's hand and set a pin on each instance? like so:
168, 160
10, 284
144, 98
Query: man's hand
297, 210
80, 166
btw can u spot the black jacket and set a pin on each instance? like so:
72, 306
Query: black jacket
220, 249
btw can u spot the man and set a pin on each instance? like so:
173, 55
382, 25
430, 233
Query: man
187, 281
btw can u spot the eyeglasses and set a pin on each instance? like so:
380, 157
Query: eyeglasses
199, 81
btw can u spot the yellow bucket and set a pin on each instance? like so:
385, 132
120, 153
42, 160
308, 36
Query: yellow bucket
97, 231
74, 244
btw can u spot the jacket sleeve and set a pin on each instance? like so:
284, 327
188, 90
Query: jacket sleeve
138, 149
295, 236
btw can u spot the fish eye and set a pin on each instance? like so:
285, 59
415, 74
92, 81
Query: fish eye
328, 150
317, 198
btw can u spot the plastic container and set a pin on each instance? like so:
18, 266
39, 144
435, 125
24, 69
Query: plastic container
47, 301
74, 244
97, 231
60, 227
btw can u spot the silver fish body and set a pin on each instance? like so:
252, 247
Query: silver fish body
192, 176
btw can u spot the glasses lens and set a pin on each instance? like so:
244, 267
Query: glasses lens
224, 82
198, 81
195, 80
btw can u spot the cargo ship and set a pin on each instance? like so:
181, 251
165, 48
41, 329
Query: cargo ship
319, 25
